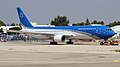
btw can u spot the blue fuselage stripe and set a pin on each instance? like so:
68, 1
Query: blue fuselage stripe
93, 30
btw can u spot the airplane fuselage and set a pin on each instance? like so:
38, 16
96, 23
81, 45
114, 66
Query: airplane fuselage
81, 32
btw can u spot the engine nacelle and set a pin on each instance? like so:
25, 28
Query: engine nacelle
59, 38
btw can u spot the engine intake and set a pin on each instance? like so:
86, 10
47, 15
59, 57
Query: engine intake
59, 38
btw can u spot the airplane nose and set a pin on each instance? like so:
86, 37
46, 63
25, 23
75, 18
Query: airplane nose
112, 33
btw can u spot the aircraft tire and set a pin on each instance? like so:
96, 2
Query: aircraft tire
101, 43
69, 42
53, 43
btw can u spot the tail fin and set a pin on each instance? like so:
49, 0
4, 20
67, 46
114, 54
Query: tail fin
23, 19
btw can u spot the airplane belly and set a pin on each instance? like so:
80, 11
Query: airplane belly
39, 36
83, 36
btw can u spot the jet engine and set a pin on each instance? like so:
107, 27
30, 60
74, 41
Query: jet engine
59, 38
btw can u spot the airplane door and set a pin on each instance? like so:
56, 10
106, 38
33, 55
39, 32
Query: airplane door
98, 31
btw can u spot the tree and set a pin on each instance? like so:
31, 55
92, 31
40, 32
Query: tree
94, 22
98, 22
102, 23
79, 24
118, 23
15, 28
60, 21
1, 30
114, 23
87, 22
13, 24
2, 23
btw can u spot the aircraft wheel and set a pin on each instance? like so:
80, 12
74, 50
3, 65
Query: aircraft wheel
68, 42
53, 43
101, 43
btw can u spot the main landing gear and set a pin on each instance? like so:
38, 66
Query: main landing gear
69, 42
53, 43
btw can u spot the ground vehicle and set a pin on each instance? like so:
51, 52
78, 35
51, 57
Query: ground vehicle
114, 43
109, 43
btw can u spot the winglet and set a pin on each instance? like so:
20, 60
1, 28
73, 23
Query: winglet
23, 19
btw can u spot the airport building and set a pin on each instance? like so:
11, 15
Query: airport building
6, 28
116, 29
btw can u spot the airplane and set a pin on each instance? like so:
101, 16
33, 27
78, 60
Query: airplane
62, 33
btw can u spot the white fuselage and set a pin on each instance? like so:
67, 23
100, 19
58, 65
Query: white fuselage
76, 35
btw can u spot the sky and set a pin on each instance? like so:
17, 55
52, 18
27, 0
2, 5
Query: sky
43, 11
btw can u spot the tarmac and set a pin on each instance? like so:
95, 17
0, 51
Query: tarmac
41, 54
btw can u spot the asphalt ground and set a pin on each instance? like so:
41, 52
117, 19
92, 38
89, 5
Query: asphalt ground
41, 54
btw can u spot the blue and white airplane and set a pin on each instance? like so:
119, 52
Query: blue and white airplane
62, 33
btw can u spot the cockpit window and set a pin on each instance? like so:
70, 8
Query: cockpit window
109, 29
